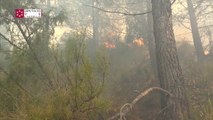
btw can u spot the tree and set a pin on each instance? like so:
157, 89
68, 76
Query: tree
195, 31
192, 15
135, 25
210, 41
151, 41
95, 15
169, 70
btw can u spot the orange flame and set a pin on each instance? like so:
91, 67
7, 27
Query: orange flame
112, 34
138, 41
206, 52
109, 45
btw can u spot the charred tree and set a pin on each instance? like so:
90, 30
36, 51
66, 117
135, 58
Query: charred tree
151, 41
195, 31
210, 42
42, 39
169, 70
95, 17
46, 29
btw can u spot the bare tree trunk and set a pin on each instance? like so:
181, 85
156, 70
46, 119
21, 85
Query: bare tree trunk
95, 15
46, 30
195, 31
210, 36
151, 41
129, 34
210, 42
42, 41
169, 70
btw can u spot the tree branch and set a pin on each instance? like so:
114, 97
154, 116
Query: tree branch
173, 2
128, 106
33, 52
118, 12
182, 4
211, 25
9, 41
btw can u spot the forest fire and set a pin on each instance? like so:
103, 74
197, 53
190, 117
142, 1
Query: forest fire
136, 42
106, 60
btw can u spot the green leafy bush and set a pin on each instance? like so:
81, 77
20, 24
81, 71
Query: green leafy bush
74, 92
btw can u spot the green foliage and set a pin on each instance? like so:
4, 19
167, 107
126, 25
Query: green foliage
75, 90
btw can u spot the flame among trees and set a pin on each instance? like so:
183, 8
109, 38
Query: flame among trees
110, 41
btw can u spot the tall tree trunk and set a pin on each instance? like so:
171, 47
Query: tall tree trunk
95, 15
195, 31
45, 38
151, 41
169, 70
210, 42
42, 40
46, 31
129, 34
210, 36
